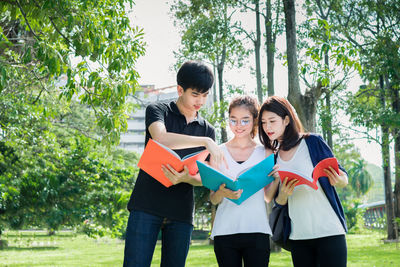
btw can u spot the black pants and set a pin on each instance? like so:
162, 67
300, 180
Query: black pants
320, 252
252, 249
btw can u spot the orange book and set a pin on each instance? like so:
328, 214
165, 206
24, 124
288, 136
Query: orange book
317, 173
155, 155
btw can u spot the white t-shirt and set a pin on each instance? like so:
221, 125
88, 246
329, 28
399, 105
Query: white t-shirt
251, 215
310, 212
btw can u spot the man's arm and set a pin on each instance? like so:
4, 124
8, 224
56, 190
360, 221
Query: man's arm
159, 133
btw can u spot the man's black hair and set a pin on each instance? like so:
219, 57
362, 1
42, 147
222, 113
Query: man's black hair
195, 75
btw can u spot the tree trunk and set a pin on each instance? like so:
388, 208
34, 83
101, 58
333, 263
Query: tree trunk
213, 213
270, 44
328, 129
220, 69
51, 232
214, 86
391, 228
291, 48
396, 135
3, 243
274, 247
388, 184
397, 175
257, 46
305, 105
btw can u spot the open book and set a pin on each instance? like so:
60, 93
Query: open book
155, 155
251, 180
317, 173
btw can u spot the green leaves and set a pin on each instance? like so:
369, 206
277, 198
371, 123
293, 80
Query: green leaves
54, 36
208, 32
53, 168
326, 58
55, 174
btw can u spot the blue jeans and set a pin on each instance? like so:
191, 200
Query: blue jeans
141, 237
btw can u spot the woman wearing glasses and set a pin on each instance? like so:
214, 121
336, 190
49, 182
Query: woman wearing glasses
241, 232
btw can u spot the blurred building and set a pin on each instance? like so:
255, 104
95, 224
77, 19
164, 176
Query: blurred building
133, 139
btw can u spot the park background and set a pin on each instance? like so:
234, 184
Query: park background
75, 73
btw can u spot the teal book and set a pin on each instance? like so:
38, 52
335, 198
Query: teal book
251, 180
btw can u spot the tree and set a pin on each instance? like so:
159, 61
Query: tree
317, 41
367, 108
271, 31
359, 178
396, 134
372, 27
304, 104
346, 153
90, 44
207, 33
332, 61
272, 28
41, 40
360, 182
255, 38
54, 172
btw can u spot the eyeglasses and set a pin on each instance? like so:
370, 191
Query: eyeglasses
241, 122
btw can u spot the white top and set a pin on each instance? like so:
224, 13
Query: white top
251, 215
310, 212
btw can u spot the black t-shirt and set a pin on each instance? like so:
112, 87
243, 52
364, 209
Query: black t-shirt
175, 202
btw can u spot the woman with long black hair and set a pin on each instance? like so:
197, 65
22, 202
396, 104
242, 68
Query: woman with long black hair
317, 223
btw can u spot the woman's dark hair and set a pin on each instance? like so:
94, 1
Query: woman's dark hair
251, 104
195, 75
293, 131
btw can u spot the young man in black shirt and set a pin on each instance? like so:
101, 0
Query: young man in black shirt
152, 206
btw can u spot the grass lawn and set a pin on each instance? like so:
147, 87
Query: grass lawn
28, 248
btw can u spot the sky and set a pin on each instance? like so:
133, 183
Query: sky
162, 38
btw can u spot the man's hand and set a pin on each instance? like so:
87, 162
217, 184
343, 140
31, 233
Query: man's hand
180, 177
217, 155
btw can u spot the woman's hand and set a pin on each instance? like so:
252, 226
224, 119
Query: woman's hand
217, 196
274, 173
339, 180
225, 192
286, 190
270, 190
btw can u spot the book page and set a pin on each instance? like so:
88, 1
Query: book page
227, 175
243, 171
168, 149
212, 178
264, 166
254, 178
191, 154
325, 164
297, 172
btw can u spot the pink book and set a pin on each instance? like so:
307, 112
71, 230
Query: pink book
317, 173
